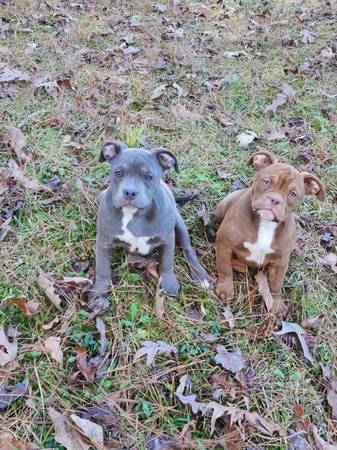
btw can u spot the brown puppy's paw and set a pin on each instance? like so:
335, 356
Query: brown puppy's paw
224, 291
279, 307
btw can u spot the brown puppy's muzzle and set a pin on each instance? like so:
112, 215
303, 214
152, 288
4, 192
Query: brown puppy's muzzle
270, 206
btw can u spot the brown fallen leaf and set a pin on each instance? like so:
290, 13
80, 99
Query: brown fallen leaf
8, 394
321, 444
204, 215
207, 337
5, 358
215, 411
49, 289
90, 429
332, 400
162, 442
53, 345
330, 260
287, 94
246, 138
229, 317
27, 183
9, 442
36, 347
181, 112
8, 368
264, 291
82, 364
308, 37
65, 432
11, 347
159, 305
9, 75
17, 141
29, 308
75, 280
151, 349
103, 340
51, 324
289, 327
313, 322
233, 361
265, 426
104, 415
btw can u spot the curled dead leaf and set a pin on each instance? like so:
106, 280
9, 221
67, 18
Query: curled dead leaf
48, 288
29, 308
31, 184
152, 349
17, 141
233, 361
289, 327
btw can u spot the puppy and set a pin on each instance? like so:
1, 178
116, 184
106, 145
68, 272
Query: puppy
138, 213
258, 225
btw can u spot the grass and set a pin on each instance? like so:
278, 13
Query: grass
81, 39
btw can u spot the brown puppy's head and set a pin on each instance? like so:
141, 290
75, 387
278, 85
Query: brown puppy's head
279, 188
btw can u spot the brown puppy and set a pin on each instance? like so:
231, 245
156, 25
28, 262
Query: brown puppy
258, 225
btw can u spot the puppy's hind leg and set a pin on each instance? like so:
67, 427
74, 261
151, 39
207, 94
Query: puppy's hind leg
198, 273
222, 206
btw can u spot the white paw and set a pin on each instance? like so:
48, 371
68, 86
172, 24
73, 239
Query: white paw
205, 284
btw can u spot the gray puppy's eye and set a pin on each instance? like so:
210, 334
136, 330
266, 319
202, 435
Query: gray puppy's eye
266, 182
148, 177
118, 173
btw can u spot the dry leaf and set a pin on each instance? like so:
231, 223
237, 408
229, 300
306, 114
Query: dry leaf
320, 443
8, 442
160, 305
65, 433
228, 315
17, 141
103, 340
53, 345
11, 347
159, 91
104, 415
75, 280
265, 426
246, 138
204, 215
50, 325
49, 289
151, 349
82, 364
181, 112
27, 183
162, 442
27, 308
308, 37
233, 361
288, 327
5, 358
90, 429
264, 291
313, 322
330, 260
207, 337
8, 394
332, 400
13, 75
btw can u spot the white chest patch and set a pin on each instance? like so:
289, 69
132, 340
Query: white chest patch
262, 246
137, 244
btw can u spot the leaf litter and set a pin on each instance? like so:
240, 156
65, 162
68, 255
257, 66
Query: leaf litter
152, 349
294, 328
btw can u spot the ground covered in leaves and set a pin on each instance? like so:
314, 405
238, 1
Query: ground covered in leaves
213, 81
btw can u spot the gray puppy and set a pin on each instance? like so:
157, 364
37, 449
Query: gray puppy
138, 213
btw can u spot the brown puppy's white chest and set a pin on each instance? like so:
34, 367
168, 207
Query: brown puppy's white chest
263, 246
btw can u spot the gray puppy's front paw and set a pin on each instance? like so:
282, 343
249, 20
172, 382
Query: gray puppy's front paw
169, 284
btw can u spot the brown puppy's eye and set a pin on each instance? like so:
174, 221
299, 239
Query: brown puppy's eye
266, 182
292, 194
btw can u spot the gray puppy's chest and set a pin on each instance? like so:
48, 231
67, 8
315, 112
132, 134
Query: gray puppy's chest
142, 244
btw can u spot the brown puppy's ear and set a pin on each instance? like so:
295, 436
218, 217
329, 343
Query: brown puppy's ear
166, 159
110, 150
313, 186
261, 159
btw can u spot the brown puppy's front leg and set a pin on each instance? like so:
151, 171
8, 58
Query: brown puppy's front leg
276, 276
224, 287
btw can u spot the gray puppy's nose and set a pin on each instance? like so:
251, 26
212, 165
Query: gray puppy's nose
130, 194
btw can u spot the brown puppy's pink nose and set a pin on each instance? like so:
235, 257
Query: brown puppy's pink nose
274, 202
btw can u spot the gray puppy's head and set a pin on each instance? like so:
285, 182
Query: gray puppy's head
135, 173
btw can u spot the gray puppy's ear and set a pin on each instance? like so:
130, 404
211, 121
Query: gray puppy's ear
166, 159
110, 150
